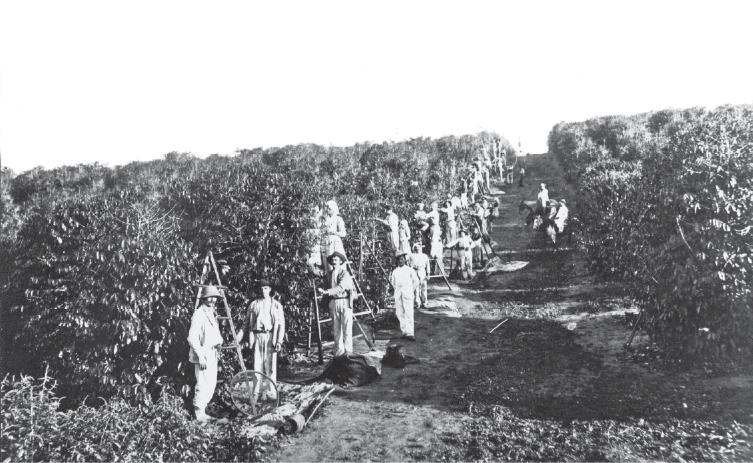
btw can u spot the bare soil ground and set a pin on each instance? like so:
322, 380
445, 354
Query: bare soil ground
559, 358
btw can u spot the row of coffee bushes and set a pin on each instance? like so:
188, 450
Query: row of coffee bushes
676, 228
98, 284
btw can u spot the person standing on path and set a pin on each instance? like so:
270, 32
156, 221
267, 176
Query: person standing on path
405, 281
465, 246
340, 294
265, 325
394, 223
543, 199
333, 231
420, 263
522, 175
560, 219
205, 340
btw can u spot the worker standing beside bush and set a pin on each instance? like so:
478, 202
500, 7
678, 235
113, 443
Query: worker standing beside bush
333, 231
265, 324
339, 297
205, 339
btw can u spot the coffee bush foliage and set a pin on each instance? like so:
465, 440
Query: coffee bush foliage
675, 226
33, 429
101, 266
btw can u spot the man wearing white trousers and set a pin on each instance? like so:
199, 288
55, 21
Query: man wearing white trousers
420, 263
205, 340
265, 324
405, 281
341, 293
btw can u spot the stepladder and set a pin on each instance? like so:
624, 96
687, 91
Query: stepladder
316, 320
252, 392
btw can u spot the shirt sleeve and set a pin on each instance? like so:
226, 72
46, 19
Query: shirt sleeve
195, 333
280, 321
247, 323
340, 227
414, 278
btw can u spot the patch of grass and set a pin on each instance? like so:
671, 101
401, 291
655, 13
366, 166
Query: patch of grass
501, 435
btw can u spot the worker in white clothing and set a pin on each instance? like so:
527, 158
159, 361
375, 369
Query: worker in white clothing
543, 199
405, 281
560, 219
340, 293
265, 324
434, 212
420, 263
394, 223
205, 340
464, 245
436, 251
333, 231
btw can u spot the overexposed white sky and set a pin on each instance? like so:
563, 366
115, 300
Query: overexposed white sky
120, 81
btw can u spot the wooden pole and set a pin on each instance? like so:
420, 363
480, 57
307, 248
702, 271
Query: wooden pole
501, 323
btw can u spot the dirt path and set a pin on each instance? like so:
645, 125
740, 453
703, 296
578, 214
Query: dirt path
400, 416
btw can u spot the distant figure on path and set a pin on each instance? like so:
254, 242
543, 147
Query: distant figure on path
543, 199
465, 245
522, 176
560, 219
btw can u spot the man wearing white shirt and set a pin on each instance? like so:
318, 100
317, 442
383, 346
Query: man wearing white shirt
561, 217
394, 223
420, 263
543, 199
205, 340
405, 281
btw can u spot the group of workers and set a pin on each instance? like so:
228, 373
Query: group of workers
265, 324
264, 321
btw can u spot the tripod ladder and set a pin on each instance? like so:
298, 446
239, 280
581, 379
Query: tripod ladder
210, 267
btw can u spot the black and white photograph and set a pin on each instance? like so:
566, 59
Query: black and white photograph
315, 231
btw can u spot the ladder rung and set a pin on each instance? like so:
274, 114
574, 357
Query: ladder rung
232, 346
224, 318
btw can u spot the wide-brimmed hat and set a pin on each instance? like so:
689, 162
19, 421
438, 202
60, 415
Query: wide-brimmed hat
399, 254
563, 201
336, 254
209, 291
262, 283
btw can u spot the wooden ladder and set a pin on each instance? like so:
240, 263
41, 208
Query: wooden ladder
316, 319
210, 267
